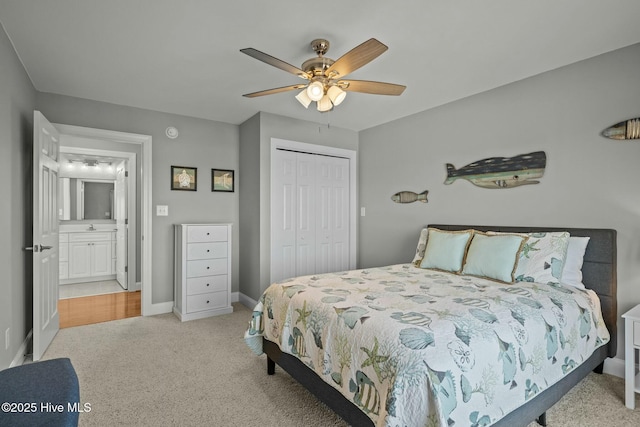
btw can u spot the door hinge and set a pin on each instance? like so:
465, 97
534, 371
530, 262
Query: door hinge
126, 268
126, 221
126, 174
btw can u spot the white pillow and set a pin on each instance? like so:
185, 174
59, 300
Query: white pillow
422, 245
572, 271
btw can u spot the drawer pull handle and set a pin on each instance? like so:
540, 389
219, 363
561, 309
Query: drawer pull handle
207, 235
207, 284
207, 301
208, 251
207, 268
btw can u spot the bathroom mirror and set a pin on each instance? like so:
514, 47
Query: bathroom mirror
85, 199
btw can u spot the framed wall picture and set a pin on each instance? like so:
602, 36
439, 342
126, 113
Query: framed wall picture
222, 180
184, 178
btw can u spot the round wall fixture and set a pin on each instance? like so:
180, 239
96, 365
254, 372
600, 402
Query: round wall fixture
172, 132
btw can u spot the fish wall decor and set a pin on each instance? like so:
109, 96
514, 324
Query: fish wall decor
629, 129
410, 197
501, 172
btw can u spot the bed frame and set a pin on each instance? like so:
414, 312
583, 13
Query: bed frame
599, 274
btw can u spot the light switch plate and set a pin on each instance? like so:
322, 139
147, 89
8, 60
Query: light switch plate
162, 210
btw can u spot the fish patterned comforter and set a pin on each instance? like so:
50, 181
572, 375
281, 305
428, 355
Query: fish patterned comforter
417, 347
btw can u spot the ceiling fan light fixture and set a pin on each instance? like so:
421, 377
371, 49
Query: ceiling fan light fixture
324, 104
336, 95
315, 91
303, 98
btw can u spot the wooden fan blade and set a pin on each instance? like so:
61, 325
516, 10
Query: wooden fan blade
357, 57
275, 62
376, 88
275, 90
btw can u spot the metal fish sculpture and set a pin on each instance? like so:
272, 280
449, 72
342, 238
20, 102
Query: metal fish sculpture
629, 129
501, 172
410, 197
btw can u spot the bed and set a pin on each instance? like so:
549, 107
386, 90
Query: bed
467, 392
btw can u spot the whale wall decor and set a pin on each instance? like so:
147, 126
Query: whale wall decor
629, 129
501, 172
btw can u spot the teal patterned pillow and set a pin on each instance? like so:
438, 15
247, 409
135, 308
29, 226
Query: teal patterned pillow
493, 256
446, 249
422, 245
542, 257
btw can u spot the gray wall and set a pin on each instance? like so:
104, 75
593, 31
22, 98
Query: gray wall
17, 102
589, 181
203, 144
255, 154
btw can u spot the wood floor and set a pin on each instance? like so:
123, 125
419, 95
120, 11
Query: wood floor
98, 308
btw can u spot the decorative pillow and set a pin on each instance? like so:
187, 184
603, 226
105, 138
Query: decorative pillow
422, 245
446, 249
542, 257
572, 271
494, 256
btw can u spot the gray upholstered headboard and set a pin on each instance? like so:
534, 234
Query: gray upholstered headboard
598, 270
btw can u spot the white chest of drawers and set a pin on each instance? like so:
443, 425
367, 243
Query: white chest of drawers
202, 282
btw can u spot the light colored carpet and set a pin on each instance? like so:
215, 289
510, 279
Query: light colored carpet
157, 371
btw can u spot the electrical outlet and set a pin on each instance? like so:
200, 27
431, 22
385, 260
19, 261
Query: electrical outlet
7, 338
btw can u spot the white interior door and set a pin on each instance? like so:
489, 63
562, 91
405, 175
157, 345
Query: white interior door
332, 224
46, 322
310, 223
121, 225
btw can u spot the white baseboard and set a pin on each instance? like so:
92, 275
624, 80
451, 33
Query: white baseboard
235, 296
614, 366
250, 303
160, 308
22, 350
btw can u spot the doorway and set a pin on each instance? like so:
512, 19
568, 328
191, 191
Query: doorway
97, 234
136, 150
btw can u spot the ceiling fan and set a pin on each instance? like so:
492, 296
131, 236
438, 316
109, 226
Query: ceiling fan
325, 77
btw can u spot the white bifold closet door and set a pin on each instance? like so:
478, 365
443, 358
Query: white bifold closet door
309, 214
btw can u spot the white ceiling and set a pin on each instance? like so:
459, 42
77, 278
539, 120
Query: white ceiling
182, 56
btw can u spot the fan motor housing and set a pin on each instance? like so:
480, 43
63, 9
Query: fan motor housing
317, 66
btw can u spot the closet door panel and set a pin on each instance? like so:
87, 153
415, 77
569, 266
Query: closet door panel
310, 214
306, 213
283, 218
